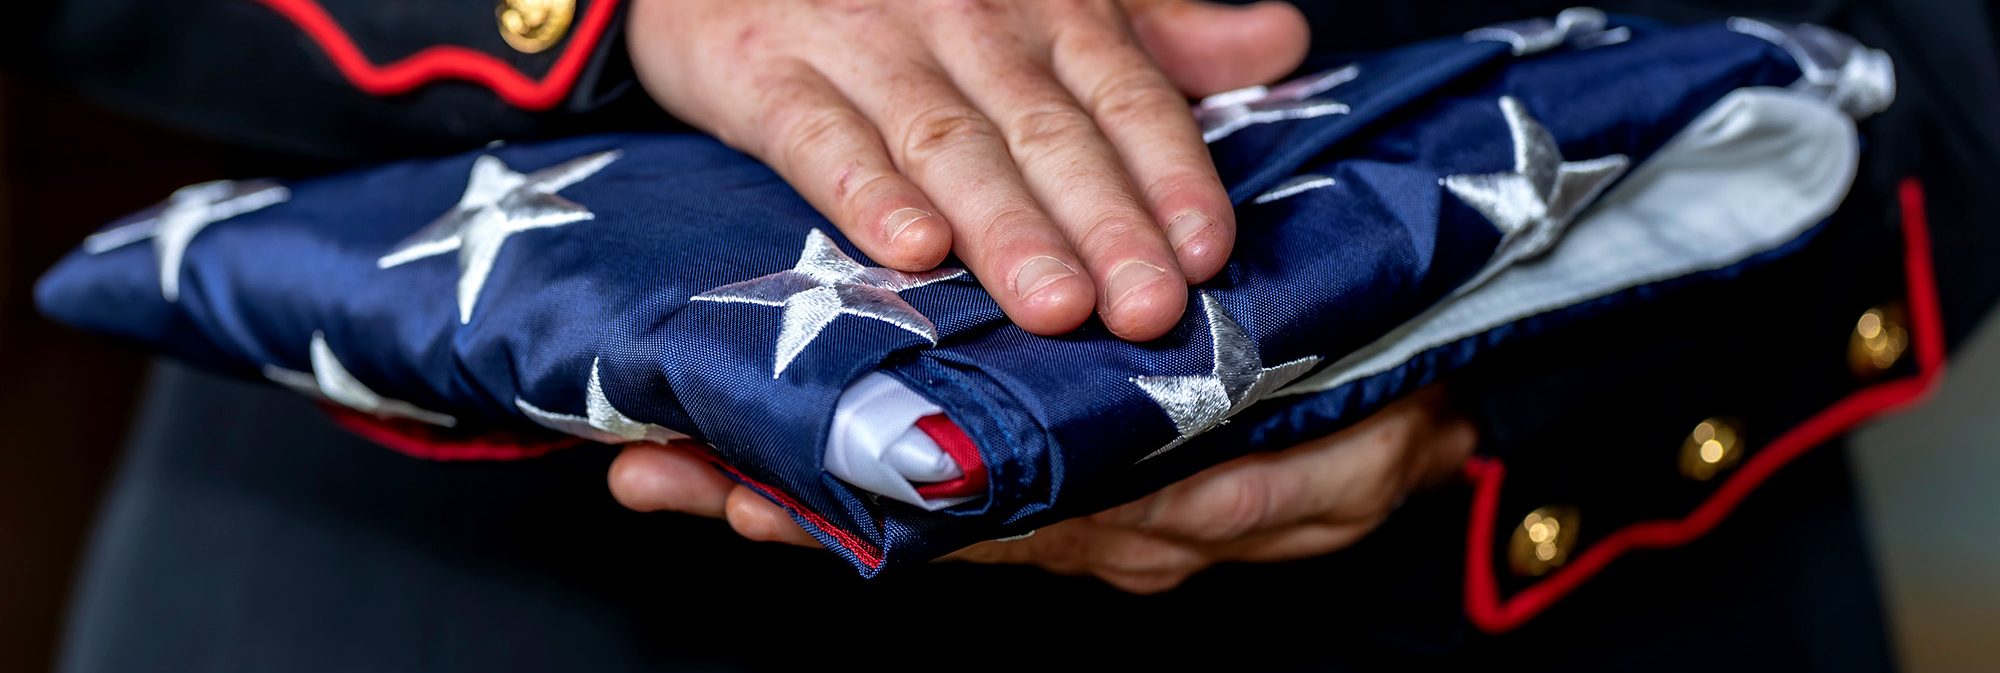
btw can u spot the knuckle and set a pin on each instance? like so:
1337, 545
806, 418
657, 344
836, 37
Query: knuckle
815, 129
750, 38
773, 82
1112, 230
1188, 181
1050, 128
1001, 227
937, 131
1135, 98
1239, 507
855, 192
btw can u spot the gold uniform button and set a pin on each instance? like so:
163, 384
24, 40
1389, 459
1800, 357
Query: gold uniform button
1713, 446
1543, 540
1878, 342
530, 26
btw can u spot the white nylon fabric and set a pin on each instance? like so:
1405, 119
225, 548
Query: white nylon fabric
1756, 170
875, 445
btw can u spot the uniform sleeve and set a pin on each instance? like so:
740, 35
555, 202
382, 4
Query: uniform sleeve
1651, 428
350, 80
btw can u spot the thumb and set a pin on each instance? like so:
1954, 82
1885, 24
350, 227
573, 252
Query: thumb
1207, 47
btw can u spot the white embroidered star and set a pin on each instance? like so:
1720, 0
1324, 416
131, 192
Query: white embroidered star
826, 284
1231, 111
1238, 381
330, 381
1533, 36
602, 422
188, 211
1532, 204
497, 204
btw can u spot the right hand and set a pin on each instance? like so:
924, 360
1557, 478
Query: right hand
1308, 500
1048, 142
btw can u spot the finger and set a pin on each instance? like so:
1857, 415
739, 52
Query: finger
1075, 173
1145, 584
651, 478
1295, 542
1148, 122
956, 155
1450, 435
758, 519
809, 133
1321, 480
1079, 546
1208, 48
1355, 475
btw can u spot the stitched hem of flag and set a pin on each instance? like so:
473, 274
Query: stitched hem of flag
833, 537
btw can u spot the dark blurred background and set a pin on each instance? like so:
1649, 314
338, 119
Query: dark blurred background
1928, 477
65, 398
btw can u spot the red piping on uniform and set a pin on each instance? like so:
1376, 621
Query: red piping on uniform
448, 61
961, 450
1493, 614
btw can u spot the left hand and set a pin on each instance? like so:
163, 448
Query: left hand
1305, 501
1047, 142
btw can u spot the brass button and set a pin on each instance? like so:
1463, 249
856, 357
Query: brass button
1878, 342
1543, 540
1713, 446
530, 26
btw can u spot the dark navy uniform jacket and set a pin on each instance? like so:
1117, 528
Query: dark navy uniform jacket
1687, 455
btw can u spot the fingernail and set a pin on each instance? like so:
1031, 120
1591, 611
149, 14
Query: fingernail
1128, 278
897, 222
1186, 227
1039, 273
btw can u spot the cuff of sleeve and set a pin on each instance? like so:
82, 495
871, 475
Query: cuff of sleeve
1493, 612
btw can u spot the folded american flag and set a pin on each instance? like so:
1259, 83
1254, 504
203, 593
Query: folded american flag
1400, 217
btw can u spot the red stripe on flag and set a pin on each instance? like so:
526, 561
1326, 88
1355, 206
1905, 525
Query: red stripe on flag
955, 443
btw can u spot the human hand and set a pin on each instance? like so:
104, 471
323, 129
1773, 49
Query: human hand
1305, 501
1048, 142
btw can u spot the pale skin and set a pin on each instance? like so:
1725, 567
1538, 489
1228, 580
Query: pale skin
1309, 500
1049, 145
1046, 142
